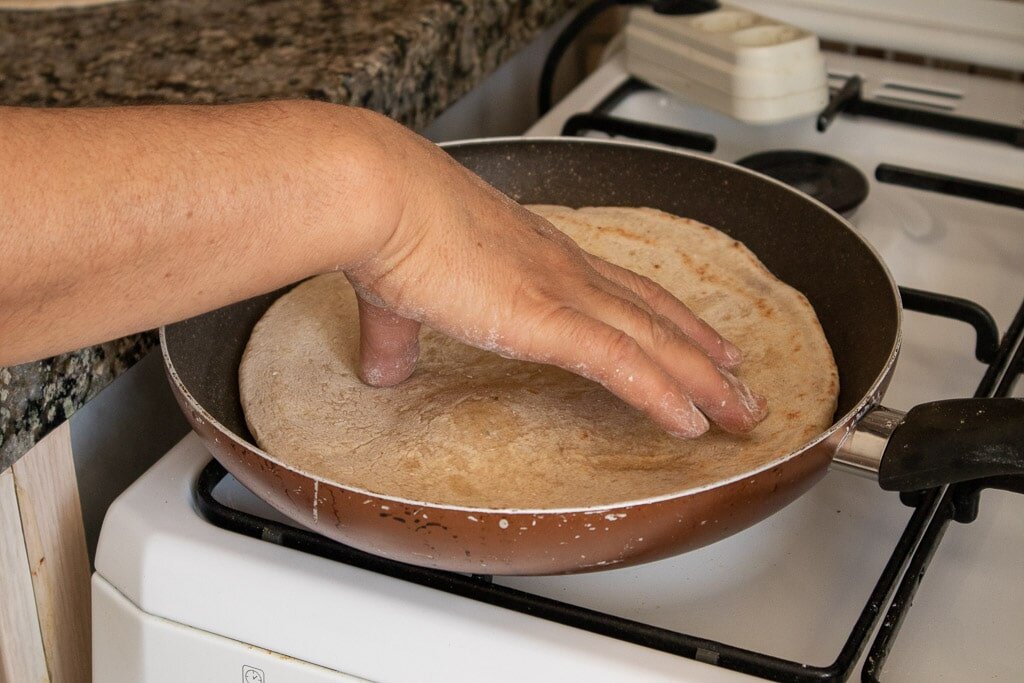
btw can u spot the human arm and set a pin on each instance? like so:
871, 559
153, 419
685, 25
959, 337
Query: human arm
120, 220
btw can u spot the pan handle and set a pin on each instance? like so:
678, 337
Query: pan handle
945, 442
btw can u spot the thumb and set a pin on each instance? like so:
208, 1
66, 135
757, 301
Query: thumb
389, 345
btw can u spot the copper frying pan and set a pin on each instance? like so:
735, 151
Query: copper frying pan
800, 240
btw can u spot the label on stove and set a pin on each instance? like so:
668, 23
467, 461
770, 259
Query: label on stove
251, 674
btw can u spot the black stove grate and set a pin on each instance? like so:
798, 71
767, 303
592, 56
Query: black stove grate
908, 561
849, 99
959, 502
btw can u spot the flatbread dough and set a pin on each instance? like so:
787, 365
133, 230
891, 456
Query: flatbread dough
471, 428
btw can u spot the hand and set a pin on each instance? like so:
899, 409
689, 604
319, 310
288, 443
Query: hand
469, 262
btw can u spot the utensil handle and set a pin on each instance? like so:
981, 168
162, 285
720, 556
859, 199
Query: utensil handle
947, 442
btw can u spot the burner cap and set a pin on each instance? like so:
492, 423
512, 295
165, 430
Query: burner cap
833, 182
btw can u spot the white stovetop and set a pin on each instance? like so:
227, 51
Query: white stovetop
790, 586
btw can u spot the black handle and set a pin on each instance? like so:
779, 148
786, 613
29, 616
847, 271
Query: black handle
947, 442
677, 7
639, 130
840, 100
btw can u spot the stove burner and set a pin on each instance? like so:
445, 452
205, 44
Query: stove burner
833, 182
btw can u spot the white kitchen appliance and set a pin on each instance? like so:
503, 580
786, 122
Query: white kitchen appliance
198, 580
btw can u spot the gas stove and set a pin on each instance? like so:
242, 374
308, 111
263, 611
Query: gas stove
197, 579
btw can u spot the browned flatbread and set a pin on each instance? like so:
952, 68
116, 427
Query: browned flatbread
471, 428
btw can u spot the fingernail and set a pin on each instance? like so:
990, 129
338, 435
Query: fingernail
732, 353
755, 404
761, 402
691, 421
378, 371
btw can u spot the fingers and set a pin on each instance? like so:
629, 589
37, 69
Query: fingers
604, 354
721, 350
389, 345
721, 396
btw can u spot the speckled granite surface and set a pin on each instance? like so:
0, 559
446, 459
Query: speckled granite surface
409, 59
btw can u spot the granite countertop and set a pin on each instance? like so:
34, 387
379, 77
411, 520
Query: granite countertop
409, 59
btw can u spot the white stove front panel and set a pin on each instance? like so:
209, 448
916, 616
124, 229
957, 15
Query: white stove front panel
130, 646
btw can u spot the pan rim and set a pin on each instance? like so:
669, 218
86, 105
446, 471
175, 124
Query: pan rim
847, 421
